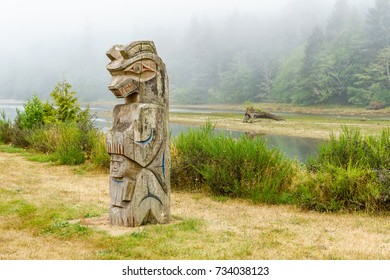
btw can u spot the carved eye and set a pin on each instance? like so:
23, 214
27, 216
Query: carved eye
137, 68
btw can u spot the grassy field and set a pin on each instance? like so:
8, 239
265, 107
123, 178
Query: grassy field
49, 211
311, 121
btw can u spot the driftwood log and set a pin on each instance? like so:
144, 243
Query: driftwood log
252, 113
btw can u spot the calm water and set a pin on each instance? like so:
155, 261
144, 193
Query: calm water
294, 147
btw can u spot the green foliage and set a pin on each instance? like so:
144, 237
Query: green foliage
285, 86
354, 188
5, 129
235, 167
237, 83
66, 102
349, 65
44, 139
377, 27
65, 229
98, 154
350, 173
373, 84
62, 129
33, 114
352, 147
69, 148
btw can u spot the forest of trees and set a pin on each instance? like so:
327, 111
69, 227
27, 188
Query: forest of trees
308, 52
347, 61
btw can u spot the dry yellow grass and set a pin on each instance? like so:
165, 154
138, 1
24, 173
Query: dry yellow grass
202, 227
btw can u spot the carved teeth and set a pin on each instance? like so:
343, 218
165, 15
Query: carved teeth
126, 89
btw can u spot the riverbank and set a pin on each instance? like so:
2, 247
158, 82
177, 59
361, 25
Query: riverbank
60, 212
310, 122
316, 122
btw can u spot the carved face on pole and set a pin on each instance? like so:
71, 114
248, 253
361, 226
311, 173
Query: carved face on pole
138, 74
122, 182
139, 141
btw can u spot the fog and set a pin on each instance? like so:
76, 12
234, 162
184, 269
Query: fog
45, 41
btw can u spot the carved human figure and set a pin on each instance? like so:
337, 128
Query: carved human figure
139, 141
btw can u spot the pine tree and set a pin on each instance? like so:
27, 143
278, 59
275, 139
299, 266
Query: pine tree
378, 27
338, 19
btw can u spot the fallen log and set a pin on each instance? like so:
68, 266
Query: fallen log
252, 113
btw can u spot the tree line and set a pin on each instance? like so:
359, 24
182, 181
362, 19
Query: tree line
345, 61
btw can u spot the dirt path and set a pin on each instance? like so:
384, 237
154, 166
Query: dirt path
253, 231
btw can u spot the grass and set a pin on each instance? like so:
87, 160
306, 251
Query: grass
241, 167
48, 210
351, 172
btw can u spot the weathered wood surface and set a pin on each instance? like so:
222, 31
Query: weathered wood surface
139, 139
251, 114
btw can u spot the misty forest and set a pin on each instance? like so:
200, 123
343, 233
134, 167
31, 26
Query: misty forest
310, 53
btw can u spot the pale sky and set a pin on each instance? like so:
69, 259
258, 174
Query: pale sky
35, 17
26, 25
53, 38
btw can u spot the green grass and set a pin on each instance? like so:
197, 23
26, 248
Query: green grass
28, 153
350, 173
241, 167
11, 149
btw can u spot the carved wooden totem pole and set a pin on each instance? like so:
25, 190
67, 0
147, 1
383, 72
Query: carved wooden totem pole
138, 142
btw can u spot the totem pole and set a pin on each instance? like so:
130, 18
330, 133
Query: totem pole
138, 142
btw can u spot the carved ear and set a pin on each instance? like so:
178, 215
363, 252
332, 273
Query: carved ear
115, 52
124, 54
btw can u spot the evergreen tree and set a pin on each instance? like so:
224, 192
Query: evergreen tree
373, 84
338, 19
378, 27
308, 85
238, 82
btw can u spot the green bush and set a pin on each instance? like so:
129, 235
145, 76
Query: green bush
67, 106
33, 114
5, 129
61, 128
352, 147
98, 154
241, 167
69, 149
187, 153
44, 139
336, 188
350, 173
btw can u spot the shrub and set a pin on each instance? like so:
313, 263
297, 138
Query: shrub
5, 129
98, 154
66, 102
335, 188
187, 153
236, 167
44, 139
352, 147
69, 149
350, 173
33, 114
62, 128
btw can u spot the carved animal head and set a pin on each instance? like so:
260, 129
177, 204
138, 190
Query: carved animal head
138, 73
